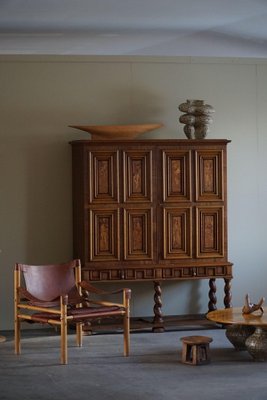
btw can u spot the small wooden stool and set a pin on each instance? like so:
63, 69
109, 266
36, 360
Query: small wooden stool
195, 350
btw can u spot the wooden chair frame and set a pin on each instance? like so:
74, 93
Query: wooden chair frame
24, 310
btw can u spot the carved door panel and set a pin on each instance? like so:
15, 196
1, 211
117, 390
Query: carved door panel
177, 232
209, 175
176, 165
103, 177
210, 232
104, 235
137, 176
138, 234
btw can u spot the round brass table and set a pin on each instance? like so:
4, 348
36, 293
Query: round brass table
244, 331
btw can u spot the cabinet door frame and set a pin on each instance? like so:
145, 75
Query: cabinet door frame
103, 176
177, 243
210, 232
209, 175
138, 221
137, 176
104, 244
176, 176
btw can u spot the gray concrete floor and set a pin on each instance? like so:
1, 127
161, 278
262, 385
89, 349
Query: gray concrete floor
98, 370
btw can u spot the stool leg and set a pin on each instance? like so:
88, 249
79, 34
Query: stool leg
195, 355
203, 354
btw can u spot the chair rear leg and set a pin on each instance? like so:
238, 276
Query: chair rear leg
79, 336
126, 335
17, 336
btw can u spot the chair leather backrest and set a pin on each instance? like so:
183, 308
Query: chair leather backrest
48, 282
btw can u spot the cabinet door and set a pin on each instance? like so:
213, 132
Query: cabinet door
175, 190
176, 175
103, 226
210, 231
138, 213
104, 235
177, 232
103, 185
137, 176
209, 175
138, 234
210, 201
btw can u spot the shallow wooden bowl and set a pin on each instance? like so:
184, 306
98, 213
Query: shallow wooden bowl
109, 132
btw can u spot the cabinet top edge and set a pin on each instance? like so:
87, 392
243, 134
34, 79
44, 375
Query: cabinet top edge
189, 142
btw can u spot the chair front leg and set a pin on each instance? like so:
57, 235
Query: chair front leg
17, 322
17, 335
63, 330
126, 322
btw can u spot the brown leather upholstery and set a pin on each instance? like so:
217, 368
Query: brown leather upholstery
54, 294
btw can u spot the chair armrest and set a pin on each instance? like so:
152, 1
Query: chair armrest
27, 295
90, 288
34, 301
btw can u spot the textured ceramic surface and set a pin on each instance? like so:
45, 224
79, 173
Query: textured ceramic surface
197, 118
256, 344
238, 334
109, 132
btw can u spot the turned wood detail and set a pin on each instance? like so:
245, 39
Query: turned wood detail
212, 295
158, 320
228, 294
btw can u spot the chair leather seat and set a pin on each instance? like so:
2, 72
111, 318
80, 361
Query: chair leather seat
81, 313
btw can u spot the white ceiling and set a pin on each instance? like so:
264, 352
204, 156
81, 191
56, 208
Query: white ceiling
214, 28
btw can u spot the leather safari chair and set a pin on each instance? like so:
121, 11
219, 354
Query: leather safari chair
54, 294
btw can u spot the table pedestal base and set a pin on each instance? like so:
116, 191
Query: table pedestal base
256, 344
238, 334
249, 338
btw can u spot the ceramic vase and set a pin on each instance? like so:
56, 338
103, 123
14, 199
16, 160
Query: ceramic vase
238, 334
256, 344
197, 118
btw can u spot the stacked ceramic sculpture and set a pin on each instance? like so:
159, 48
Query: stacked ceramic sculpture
197, 118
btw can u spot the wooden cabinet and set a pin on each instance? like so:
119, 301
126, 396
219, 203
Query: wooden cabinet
152, 210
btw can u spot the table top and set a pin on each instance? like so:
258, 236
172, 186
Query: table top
235, 316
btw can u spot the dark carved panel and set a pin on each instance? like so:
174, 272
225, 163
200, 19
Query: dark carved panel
103, 176
176, 175
104, 235
138, 239
177, 232
169, 273
209, 175
210, 232
137, 168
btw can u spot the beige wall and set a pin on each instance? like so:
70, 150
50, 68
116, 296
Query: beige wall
41, 96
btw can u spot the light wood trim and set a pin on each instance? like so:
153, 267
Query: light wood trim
63, 331
49, 321
126, 325
37, 308
16, 319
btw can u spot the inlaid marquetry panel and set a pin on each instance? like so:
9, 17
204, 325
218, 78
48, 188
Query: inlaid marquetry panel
138, 235
210, 232
103, 176
176, 175
137, 174
177, 232
209, 175
104, 235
